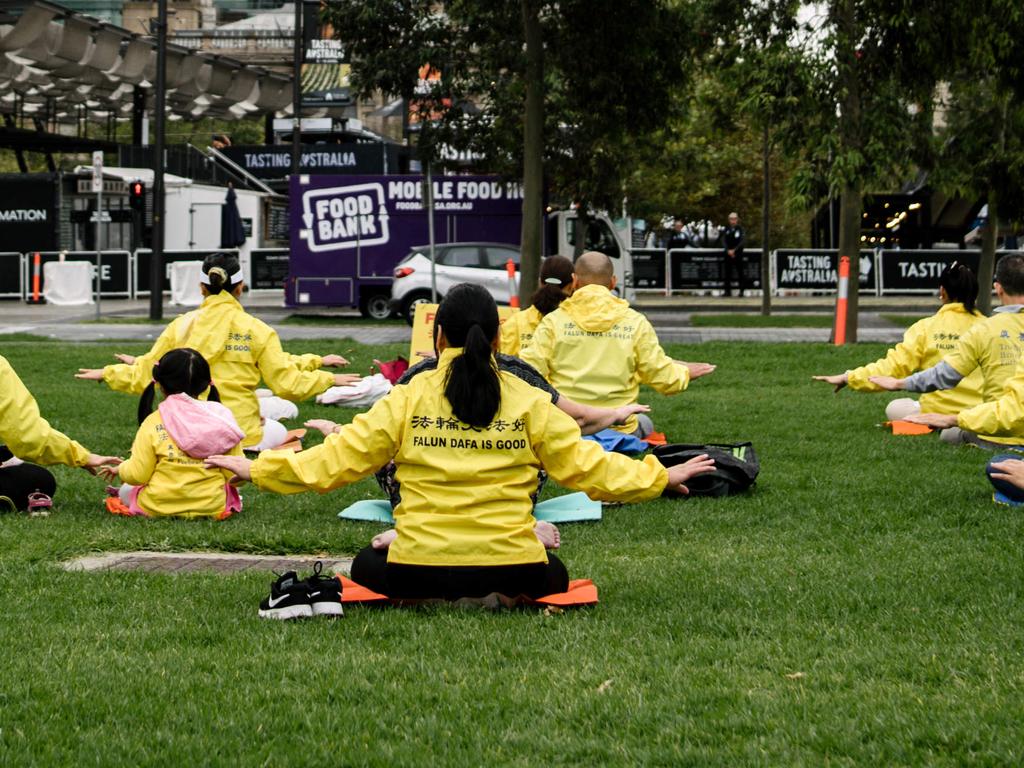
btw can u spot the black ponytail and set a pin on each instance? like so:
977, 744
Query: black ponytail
961, 284
555, 275
179, 371
469, 318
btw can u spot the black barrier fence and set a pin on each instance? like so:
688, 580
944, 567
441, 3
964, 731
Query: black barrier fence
817, 269
115, 270
12, 276
919, 271
650, 269
693, 269
143, 259
269, 268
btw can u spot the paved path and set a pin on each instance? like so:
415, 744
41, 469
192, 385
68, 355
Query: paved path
216, 562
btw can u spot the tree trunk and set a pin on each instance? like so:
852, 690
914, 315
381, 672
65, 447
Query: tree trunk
579, 244
766, 201
987, 265
851, 204
533, 147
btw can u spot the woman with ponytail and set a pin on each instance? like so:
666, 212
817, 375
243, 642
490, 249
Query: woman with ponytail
241, 350
924, 345
469, 441
555, 285
165, 476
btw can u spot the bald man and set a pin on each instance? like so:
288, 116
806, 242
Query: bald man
598, 351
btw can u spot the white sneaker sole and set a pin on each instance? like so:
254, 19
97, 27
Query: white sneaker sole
328, 609
290, 612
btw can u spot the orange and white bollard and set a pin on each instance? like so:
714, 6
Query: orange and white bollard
36, 278
513, 291
844, 295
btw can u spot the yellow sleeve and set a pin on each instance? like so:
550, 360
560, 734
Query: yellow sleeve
28, 435
307, 362
584, 465
136, 377
899, 362
284, 377
359, 448
541, 347
968, 353
139, 467
657, 369
509, 340
1001, 417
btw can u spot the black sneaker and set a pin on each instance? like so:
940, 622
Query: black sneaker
289, 599
324, 593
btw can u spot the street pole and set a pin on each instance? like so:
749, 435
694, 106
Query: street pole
97, 185
297, 89
156, 265
428, 204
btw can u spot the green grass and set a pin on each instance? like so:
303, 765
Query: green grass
759, 321
903, 320
862, 606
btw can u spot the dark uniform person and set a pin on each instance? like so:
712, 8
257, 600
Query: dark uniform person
732, 246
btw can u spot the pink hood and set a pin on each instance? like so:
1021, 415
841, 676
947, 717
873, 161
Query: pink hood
199, 427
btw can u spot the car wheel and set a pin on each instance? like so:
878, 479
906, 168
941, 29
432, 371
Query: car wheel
410, 302
375, 306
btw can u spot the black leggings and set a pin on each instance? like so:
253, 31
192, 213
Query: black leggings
16, 483
419, 582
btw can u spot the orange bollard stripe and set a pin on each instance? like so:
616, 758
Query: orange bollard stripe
35, 277
844, 294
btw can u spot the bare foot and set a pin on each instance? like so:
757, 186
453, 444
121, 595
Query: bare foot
547, 534
383, 540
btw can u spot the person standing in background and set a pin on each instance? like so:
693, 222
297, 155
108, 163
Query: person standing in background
732, 245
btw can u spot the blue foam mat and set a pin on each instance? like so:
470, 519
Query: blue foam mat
571, 508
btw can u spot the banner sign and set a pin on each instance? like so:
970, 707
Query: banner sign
325, 69
269, 268
704, 269
115, 274
919, 271
649, 269
818, 270
275, 162
29, 212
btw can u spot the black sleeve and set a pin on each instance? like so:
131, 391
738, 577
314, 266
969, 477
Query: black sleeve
526, 372
424, 365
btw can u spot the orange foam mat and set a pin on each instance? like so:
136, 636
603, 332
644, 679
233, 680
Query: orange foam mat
907, 428
580, 592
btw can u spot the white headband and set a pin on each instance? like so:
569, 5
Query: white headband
235, 278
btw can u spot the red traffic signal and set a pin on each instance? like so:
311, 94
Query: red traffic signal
137, 195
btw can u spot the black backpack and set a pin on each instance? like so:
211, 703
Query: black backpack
736, 467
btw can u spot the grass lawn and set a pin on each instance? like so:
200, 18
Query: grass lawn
724, 320
861, 607
905, 320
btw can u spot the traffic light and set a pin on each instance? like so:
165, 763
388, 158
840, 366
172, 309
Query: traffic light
137, 196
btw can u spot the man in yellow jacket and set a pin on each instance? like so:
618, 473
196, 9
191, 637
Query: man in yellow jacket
993, 345
241, 349
598, 351
30, 438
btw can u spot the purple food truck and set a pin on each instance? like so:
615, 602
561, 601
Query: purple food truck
349, 232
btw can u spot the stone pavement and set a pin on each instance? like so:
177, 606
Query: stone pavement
669, 315
207, 562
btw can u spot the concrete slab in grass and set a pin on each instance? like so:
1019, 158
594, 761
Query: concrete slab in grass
204, 562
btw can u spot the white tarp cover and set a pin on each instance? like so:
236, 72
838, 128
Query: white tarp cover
185, 290
67, 283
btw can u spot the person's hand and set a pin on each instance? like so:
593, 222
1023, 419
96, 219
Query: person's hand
838, 381
623, 412
333, 361
344, 379
698, 369
680, 473
934, 420
123, 358
1011, 470
90, 374
239, 465
99, 465
107, 472
325, 426
888, 382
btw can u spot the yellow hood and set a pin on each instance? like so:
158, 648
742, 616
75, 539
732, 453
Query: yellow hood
206, 330
594, 308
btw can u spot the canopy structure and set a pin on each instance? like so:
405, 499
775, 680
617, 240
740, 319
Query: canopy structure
59, 67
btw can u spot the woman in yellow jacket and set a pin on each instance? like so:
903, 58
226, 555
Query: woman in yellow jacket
165, 476
468, 441
555, 285
28, 437
924, 344
240, 349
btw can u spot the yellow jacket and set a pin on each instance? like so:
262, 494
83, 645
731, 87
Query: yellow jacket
518, 329
1002, 417
924, 344
597, 351
240, 349
465, 491
176, 484
25, 432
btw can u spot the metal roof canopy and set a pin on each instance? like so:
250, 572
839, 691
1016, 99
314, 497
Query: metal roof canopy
56, 65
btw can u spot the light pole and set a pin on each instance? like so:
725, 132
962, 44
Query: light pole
297, 89
156, 264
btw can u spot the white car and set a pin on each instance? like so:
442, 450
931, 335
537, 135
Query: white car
479, 263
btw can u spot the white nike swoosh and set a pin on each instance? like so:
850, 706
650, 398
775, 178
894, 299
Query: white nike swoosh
272, 603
